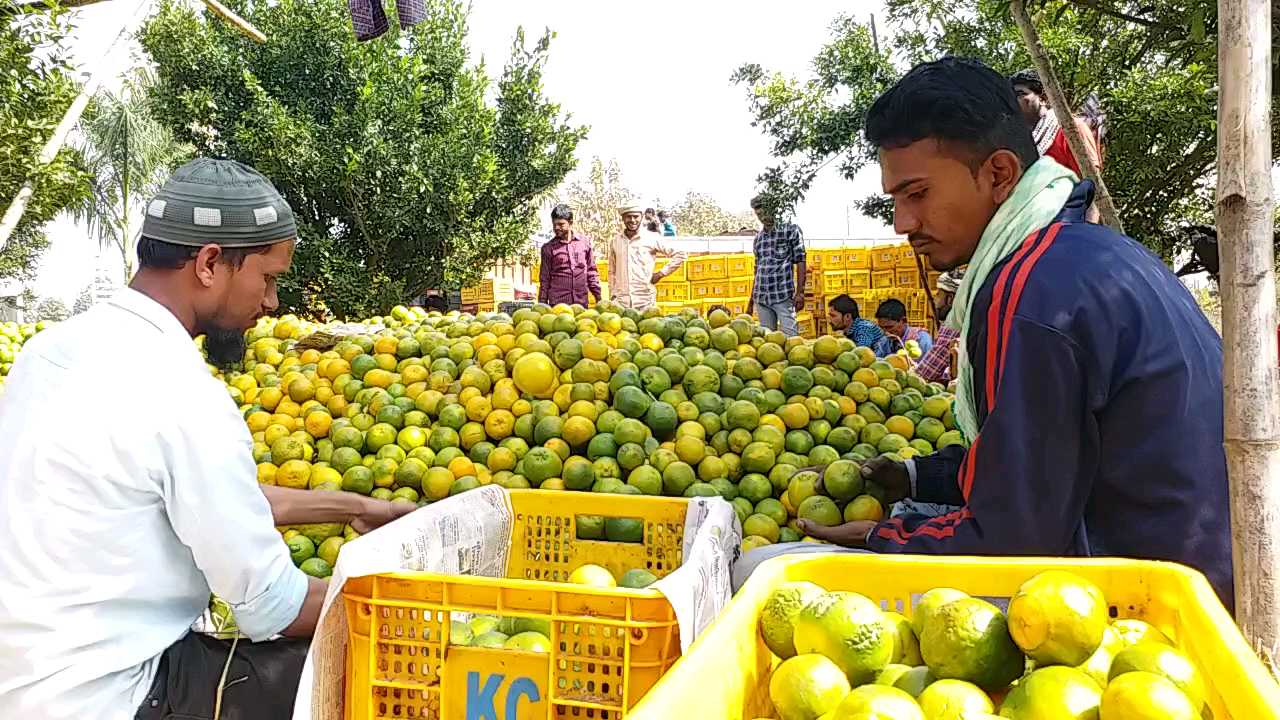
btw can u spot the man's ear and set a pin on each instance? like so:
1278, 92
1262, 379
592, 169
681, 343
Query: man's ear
1006, 170
206, 263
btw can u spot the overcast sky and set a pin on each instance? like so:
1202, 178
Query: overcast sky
651, 80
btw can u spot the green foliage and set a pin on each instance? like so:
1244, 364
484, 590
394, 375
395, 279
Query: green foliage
400, 172
129, 155
35, 90
1153, 65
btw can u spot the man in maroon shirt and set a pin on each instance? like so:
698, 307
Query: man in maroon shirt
568, 271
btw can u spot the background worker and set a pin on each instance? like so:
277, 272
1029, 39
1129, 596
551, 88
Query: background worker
935, 365
116, 533
567, 271
842, 315
633, 255
777, 294
891, 316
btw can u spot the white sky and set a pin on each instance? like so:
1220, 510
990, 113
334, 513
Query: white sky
651, 80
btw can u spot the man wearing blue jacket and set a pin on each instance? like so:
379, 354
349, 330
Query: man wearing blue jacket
1090, 383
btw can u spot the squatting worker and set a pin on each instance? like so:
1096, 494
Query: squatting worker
633, 255
116, 531
777, 294
1090, 383
567, 271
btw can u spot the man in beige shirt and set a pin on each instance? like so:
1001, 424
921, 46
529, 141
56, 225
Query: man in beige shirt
632, 256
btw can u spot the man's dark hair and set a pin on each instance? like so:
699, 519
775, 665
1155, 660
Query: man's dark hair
663, 214
845, 305
716, 307
561, 212
649, 211
1030, 78
956, 101
760, 201
891, 309
161, 255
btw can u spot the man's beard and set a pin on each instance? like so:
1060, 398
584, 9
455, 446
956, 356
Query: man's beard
224, 347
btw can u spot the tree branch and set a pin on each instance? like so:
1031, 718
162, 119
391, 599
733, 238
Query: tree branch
1098, 6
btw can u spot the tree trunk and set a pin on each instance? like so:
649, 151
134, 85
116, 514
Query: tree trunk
1251, 386
1058, 103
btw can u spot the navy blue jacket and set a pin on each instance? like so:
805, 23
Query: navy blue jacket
1099, 387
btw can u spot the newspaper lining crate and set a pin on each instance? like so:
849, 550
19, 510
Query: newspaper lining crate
833, 281
1176, 600
707, 267
857, 280
884, 257
857, 259
740, 286
882, 279
608, 645
741, 264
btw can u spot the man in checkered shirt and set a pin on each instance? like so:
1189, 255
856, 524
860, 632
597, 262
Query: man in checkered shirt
777, 294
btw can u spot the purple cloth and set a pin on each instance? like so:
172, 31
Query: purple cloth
568, 272
369, 18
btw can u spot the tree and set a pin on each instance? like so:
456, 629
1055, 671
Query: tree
51, 310
84, 300
400, 173
1153, 65
36, 88
129, 155
595, 200
700, 215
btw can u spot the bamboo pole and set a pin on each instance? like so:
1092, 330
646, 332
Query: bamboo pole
1058, 103
240, 23
1251, 389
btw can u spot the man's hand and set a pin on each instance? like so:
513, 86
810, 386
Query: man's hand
373, 514
656, 277
751, 305
799, 299
890, 475
851, 534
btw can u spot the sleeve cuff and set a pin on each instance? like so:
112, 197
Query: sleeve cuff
274, 609
911, 473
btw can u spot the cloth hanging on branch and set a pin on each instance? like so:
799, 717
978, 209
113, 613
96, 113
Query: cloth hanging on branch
369, 17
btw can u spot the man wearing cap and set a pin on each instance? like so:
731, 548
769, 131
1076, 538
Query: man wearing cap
935, 365
128, 489
633, 254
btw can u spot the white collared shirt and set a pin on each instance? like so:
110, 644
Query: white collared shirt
127, 491
631, 264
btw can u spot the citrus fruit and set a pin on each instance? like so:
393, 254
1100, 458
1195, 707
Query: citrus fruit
1058, 618
848, 628
968, 639
807, 687
879, 701
1053, 692
954, 700
592, 575
1142, 695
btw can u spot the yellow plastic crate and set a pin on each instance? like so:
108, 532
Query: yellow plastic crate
882, 279
825, 259
675, 289
470, 295
933, 276
708, 267
707, 289
735, 305
740, 286
741, 264
857, 280
808, 329
906, 257
815, 304
907, 278
670, 307
833, 281
857, 259
602, 270
660, 292
884, 257
609, 646
681, 274
725, 675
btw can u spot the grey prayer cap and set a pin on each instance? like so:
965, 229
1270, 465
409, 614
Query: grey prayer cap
218, 202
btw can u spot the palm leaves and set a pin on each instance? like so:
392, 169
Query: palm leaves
129, 154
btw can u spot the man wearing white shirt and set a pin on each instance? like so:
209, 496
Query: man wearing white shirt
128, 488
